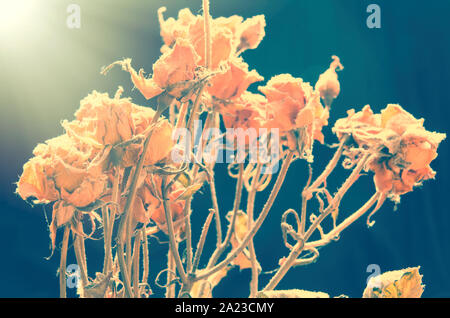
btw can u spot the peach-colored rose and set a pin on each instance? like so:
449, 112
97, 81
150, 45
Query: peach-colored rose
60, 170
402, 148
247, 111
328, 83
234, 81
221, 43
229, 35
149, 195
34, 182
292, 106
292, 103
101, 120
173, 72
172, 29
364, 126
161, 142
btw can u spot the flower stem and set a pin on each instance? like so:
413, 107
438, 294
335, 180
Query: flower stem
251, 245
250, 234
62, 263
299, 246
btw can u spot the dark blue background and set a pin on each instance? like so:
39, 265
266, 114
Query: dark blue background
50, 68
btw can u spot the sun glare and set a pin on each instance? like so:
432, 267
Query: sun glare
15, 14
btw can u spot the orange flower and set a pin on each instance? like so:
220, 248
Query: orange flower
234, 81
328, 83
154, 209
293, 104
402, 148
62, 170
101, 120
161, 142
229, 36
172, 29
173, 72
364, 126
247, 111
221, 43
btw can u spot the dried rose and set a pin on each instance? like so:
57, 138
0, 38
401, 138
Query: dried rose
101, 120
402, 148
233, 81
173, 72
62, 170
328, 83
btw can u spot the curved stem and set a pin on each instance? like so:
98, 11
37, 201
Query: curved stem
258, 222
299, 246
251, 246
346, 223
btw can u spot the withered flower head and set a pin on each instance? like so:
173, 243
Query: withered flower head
328, 83
293, 105
173, 72
62, 170
402, 149
232, 82
229, 35
101, 120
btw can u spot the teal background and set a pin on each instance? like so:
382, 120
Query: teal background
46, 68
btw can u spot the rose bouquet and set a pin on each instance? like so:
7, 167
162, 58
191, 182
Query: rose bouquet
133, 171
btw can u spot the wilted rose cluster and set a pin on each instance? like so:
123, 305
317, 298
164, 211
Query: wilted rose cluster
115, 156
287, 103
75, 170
401, 149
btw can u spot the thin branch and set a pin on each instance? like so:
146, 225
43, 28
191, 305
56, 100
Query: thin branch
251, 245
258, 222
299, 246
172, 240
62, 263
202, 240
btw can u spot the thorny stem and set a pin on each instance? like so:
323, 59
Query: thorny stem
112, 218
307, 192
299, 246
212, 186
136, 252
62, 263
124, 270
258, 222
79, 256
346, 223
134, 180
251, 246
207, 27
201, 241
105, 219
172, 240
237, 200
145, 257
170, 288
130, 199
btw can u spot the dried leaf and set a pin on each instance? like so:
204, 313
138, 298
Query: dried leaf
98, 288
404, 283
